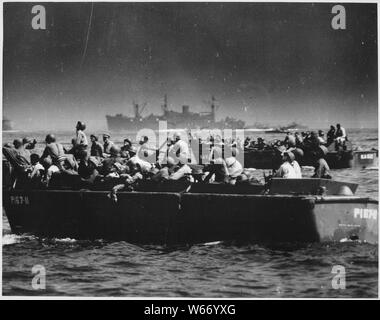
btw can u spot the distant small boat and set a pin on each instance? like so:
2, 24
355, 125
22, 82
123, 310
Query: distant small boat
292, 127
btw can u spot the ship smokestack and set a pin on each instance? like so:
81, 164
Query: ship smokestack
136, 108
185, 109
213, 108
165, 105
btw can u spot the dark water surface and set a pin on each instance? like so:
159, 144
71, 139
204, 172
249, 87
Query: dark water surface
101, 268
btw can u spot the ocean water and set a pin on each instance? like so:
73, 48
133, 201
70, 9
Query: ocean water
217, 270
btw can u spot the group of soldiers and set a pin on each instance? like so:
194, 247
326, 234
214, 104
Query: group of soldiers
105, 165
296, 144
100, 166
308, 140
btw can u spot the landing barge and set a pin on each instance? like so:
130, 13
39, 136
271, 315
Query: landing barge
304, 210
270, 159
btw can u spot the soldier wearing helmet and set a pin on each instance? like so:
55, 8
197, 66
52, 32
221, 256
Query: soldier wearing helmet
108, 144
321, 168
53, 150
321, 136
81, 142
287, 170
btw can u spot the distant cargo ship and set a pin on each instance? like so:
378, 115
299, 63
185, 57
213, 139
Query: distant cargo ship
175, 120
291, 127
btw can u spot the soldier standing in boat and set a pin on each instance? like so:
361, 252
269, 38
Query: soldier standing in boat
340, 134
81, 142
181, 149
331, 135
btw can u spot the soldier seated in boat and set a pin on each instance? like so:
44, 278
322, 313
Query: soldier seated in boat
96, 148
330, 135
29, 143
143, 149
321, 168
234, 167
23, 147
107, 165
50, 169
246, 178
298, 153
37, 168
127, 181
260, 144
20, 150
127, 150
107, 145
88, 168
53, 150
312, 142
180, 150
290, 140
299, 140
67, 177
321, 137
287, 170
247, 142
181, 170
19, 165
217, 169
172, 169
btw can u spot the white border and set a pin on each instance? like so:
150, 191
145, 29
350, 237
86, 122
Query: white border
171, 298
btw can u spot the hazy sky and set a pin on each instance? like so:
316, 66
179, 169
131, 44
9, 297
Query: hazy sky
271, 63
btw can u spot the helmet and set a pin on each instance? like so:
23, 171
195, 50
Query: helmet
176, 136
27, 140
81, 125
114, 151
298, 153
69, 163
17, 143
47, 162
345, 191
290, 156
50, 138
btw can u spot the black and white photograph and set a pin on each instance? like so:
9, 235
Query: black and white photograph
190, 150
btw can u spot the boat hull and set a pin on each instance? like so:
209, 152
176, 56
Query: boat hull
269, 159
174, 218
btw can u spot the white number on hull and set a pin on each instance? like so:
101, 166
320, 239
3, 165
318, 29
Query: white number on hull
19, 200
365, 213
